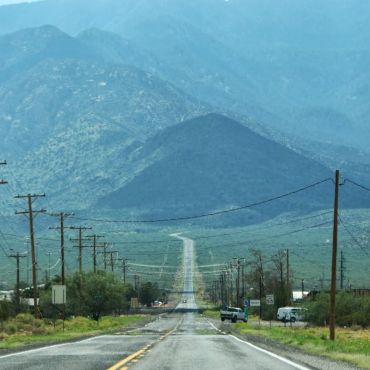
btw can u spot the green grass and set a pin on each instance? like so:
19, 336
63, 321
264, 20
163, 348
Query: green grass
25, 330
213, 313
350, 345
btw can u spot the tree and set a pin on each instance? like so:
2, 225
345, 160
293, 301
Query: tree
148, 293
94, 294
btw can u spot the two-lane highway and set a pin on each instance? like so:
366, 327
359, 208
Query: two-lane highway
181, 340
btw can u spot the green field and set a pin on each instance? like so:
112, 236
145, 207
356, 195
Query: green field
154, 255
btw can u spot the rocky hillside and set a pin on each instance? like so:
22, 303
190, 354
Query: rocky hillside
66, 117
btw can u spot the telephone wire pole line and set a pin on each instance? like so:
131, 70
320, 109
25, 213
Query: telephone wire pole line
30, 213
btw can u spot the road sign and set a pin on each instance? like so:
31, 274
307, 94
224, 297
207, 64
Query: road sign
255, 303
269, 299
59, 294
134, 303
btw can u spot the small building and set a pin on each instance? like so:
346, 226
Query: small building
297, 295
6, 295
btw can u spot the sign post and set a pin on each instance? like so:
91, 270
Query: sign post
59, 296
270, 301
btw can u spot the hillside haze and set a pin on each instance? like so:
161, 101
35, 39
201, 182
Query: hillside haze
92, 116
298, 67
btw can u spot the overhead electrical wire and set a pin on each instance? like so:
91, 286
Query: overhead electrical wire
354, 239
363, 187
250, 205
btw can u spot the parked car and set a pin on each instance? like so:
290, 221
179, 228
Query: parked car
291, 314
232, 313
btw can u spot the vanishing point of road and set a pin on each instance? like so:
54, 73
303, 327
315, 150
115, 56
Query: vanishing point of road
182, 340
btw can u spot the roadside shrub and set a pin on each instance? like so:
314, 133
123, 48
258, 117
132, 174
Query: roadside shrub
10, 328
25, 318
350, 311
39, 330
4, 310
318, 310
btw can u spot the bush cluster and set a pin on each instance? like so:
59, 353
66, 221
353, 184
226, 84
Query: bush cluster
24, 323
350, 310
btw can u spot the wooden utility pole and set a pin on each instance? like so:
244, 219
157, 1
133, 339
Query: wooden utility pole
238, 282
342, 269
302, 283
3, 182
137, 284
80, 245
17, 257
123, 268
104, 253
334, 259
111, 259
94, 246
30, 213
287, 277
62, 217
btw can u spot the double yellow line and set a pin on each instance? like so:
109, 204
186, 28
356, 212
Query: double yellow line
126, 360
141, 352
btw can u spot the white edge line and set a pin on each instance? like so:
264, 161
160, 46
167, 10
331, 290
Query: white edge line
47, 347
289, 362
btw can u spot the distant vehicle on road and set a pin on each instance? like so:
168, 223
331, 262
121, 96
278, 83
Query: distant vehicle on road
184, 301
291, 314
232, 313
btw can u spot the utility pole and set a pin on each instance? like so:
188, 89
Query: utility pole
302, 281
238, 282
94, 246
104, 253
30, 213
17, 257
80, 246
287, 277
136, 284
47, 275
334, 258
123, 268
62, 217
222, 282
3, 182
111, 259
243, 280
231, 282
342, 269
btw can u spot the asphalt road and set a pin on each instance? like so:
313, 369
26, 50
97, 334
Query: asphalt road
181, 340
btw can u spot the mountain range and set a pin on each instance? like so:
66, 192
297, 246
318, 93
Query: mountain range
295, 67
120, 118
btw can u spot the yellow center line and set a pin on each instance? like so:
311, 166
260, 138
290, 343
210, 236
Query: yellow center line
139, 353
126, 360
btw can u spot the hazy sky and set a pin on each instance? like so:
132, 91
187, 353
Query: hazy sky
6, 2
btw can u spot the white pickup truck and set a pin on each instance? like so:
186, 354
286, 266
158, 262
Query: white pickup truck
232, 313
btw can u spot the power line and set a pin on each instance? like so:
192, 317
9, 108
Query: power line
357, 184
255, 204
354, 239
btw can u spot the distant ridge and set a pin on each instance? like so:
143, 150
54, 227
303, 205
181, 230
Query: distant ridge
212, 162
